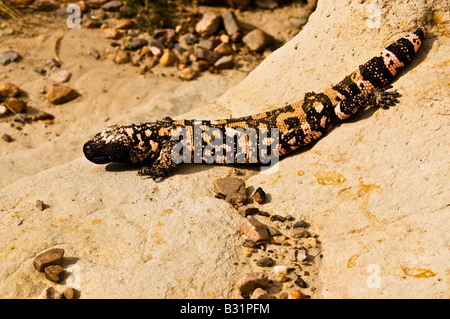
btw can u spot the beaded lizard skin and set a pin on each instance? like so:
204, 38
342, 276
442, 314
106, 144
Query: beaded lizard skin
298, 124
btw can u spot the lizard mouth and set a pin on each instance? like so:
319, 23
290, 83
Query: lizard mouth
93, 155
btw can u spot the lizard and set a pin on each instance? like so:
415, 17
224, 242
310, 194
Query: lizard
152, 145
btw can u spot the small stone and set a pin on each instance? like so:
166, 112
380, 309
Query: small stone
122, 57
259, 293
254, 229
125, 24
232, 189
225, 62
9, 56
95, 54
207, 55
39, 70
7, 138
249, 243
247, 211
40, 205
3, 109
280, 270
266, 4
112, 6
265, 262
301, 234
300, 282
167, 59
92, 23
200, 65
209, 22
164, 35
51, 293
50, 257
273, 232
69, 293
61, 94
59, 76
230, 22
206, 44
16, 105
259, 196
250, 281
223, 49
187, 40
110, 33
282, 295
187, 74
135, 44
51, 64
148, 63
8, 89
297, 294
300, 223
96, 4
256, 40
224, 38
53, 272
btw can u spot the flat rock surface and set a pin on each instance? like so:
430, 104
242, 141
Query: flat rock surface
375, 188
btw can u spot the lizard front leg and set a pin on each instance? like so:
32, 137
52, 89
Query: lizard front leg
164, 165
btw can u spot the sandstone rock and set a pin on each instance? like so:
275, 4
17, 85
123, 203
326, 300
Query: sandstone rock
92, 23
50, 293
61, 94
69, 293
59, 76
164, 35
250, 281
223, 49
254, 229
209, 23
256, 40
52, 256
200, 65
96, 4
53, 272
122, 57
259, 196
259, 293
8, 89
265, 262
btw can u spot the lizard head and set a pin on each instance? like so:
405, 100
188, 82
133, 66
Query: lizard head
135, 143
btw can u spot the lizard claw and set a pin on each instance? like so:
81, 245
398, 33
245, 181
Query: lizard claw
385, 99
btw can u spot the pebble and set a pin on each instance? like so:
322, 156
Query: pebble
300, 234
254, 229
250, 281
39, 70
50, 293
301, 255
61, 94
39, 205
167, 59
9, 56
232, 189
209, 22
125, 24
187, 74
8, 89
282, 295
300, 282
111, 33
164, 35
266, 4
135, 44
230, 22
92, 23
16, 105
122, 57
273, 231
265, 262
259, 196
223, 49
50, 257
300, 223
225, 62
69, 293
200, 65
187, 40
297, 294
95, 54
53, 272
7, 138
113, 5
247, 211
280, 270
59, 76
256, 40
249, 243
259, 293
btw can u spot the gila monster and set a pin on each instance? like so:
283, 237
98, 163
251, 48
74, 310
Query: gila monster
153, 144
